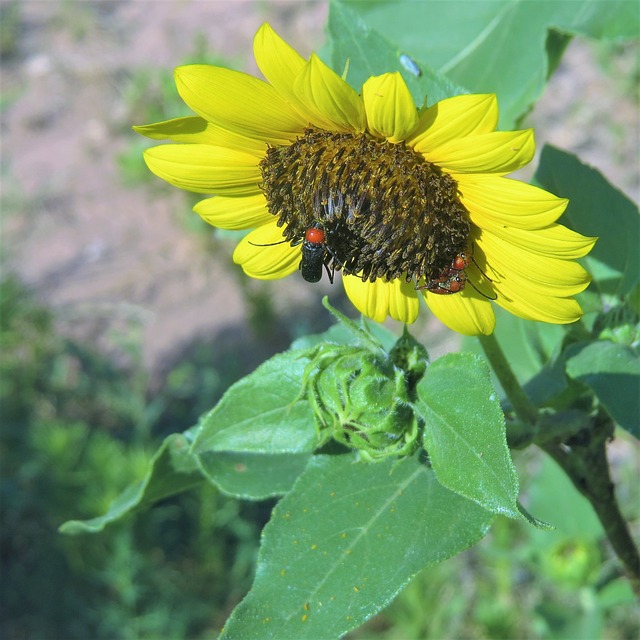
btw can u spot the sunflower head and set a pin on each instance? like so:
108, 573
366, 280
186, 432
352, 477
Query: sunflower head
404, 203
386, 213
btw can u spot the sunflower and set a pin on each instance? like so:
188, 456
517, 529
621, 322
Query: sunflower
403, 202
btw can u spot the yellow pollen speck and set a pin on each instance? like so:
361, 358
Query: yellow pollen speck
343, 535
305, 617
333, 494
266, 620
314, 546
305, 606
283, 572
356, 589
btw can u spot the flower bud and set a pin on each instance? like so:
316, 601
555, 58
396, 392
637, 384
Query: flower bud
360, 399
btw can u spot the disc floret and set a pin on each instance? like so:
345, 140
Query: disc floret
386, 211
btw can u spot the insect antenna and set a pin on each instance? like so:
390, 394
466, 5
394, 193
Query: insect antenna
480, 270
270, 244
484, 295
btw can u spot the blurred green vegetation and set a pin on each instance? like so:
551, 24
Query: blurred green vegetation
9, 28
79, 425
77, 429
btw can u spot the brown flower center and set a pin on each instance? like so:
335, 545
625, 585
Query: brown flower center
386, 211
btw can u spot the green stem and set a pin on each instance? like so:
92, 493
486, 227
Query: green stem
586, 465
524, 408
581, 453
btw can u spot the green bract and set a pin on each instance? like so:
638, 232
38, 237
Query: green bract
412, 357
361, 399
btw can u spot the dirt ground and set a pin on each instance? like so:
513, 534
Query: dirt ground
108, 256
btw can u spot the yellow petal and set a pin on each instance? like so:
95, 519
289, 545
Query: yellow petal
466, 312
540, 307
453, 118
238, 102
189, 129
195, 130
333, 103
503, 201
234, 213
498, 152
518, 268
205, 169
266, 262
278, 61
555, 240
391, 112
531, 286
380, 299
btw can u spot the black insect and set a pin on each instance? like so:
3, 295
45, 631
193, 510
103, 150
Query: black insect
315, 254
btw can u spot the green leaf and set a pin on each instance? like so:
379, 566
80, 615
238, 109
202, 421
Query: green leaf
344, 542
251, 476
258, 438
384, 336
335, 334
612, 371
171, 470
596, 208
619, 592
262, 413
549, 387
465, 434
533, 521
498, 46
553, 496
368, 53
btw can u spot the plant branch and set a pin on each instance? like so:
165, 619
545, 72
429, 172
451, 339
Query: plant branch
580, 452
584, 459
551, 428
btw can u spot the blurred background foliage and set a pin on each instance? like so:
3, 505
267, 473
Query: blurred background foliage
77, 428
80, 422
